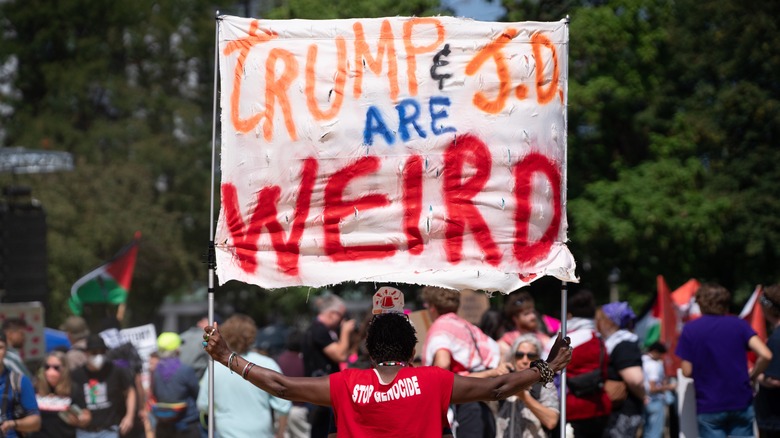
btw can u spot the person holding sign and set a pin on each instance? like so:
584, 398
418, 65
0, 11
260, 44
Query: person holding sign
393, 398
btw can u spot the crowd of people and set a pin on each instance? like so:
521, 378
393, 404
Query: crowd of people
489, 379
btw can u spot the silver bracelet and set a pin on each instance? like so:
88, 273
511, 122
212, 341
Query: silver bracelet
230, 361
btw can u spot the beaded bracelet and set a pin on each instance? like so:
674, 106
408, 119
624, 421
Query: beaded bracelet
247, 368
546, 374
230, 361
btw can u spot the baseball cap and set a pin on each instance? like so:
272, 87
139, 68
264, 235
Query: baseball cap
168, 341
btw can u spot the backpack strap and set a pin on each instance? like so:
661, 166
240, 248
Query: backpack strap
16, 383
4, 405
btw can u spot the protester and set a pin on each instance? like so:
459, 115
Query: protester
106, 391
767, 403
77, 330
456, 345
533, 412
392, 399
492, 324
658, 388
713, 350
175, 390
520, 310
587, 404
127, 357
52, 392
325, 345
19, 410
240, 410
291, 363
191, 353
15, 330
625, 382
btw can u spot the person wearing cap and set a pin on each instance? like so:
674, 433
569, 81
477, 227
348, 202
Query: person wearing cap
30, 421
625, 378
15, 331
190, 353
106, 391
392, 398
76, 329
175, 389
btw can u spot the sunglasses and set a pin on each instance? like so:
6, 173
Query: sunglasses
56, 367
530, 356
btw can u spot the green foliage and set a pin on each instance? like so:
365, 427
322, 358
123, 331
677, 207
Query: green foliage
673, 124
315, 9
674, 114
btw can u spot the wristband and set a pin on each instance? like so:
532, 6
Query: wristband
248, 367
546, 375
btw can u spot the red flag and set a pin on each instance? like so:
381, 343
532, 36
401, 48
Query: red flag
753, 313
683, 299
667, 313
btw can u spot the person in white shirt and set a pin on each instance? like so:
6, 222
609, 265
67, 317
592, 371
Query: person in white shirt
658, 389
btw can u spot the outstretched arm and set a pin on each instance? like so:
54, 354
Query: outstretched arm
764, 356
314, 390
468, 389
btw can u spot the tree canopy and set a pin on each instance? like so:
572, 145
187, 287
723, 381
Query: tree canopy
673, 114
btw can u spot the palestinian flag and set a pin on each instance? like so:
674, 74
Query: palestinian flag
109, 283
662, 317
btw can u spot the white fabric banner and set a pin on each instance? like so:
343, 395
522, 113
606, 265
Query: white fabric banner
415, 150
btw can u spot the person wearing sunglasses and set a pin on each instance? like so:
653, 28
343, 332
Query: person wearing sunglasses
392, 398
531, 412
52, 391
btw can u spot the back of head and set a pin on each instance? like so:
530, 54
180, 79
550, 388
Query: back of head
441, 299
240, 332
713, 299
96, 344
76, 328
581, 304
492, 324
329, 302
390, 337
657, 347
619, 313
168, 344
294, 341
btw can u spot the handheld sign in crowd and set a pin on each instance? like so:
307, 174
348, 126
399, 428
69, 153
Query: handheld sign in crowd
416, 150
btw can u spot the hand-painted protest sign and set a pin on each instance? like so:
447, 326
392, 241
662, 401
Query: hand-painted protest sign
416, 150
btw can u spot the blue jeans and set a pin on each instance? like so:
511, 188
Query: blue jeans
113, 432
724, 424
655, 418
